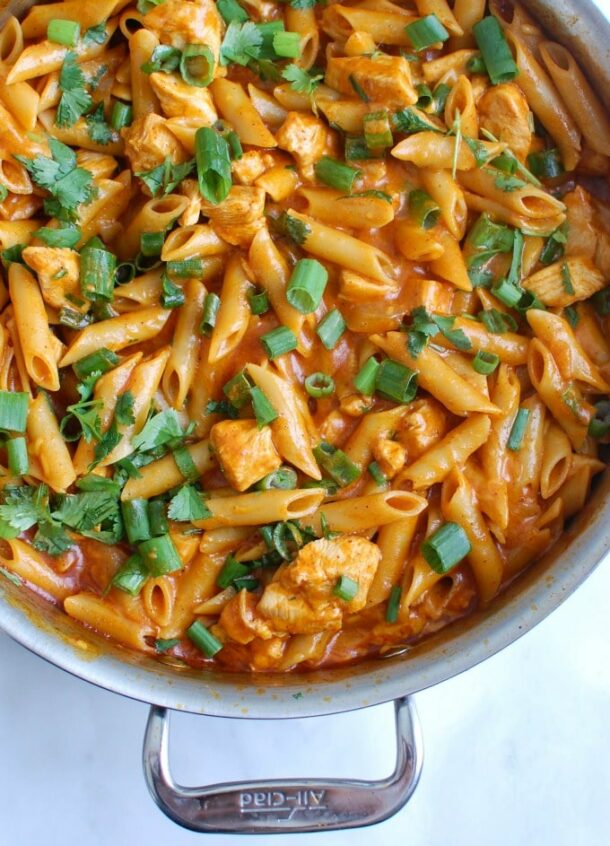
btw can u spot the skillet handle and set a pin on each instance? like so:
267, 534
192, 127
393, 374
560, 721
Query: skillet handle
283, 806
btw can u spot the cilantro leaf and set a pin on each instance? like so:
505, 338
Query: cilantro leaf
24, 507
478, 150
98, 129
426, 326
188, 505
158, 431
300, 80
69, 184
123, 412
109, 440
296, 229
84, 511
75, 99
506, 182
409, 120
165, 177
456, 337
86, 415
223, 407
51, 538
242, 42
95, 34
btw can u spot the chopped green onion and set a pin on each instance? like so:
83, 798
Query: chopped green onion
135, 520
505, 162
336, 174
237, 390
64, 32
497, 322
572, 316
231, 11
441, 92
329, 485
285, 478
185, 463
554, 247
160, 555
425, 32
546, 164
101, 361
485, 362
232, 569
14, 410
446, 547
346, 588
74, 319
164, 645
197, 65
122, 115
17, 454
157, 518
330, 328
287, 45
476, 64
517, 432
306, 286
264, 412
336, 463
268, 30
12, 255
495, 51
599, 425
164, 59
203, 639
258, 302
507, 293
566, 279
488, 236
422, 208
131, 576
395, 381
529, 300
319, 385
364, 381
213, 165
232, 139
211, 305
378, 476
393, 606
278, 342
425, 97
514, 274
172, 295
145, 263
601, 302
186, 269
3, 192
377, 131
356, 148
151, 243
358, 89
97, 269
248, 582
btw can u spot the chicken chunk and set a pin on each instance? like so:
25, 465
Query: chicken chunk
306, 137
251, 165
148, 142
245, 452
238, 218
178, 99
181, 22
58, 270
385, 79
423, 426
503, 111
390, 456
302, 600
586, 234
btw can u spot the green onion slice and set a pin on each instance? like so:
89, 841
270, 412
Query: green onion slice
515, 439
157, 518
211, 305
485, 362
151, 243
258, 302
319, 385
213, 165
546, 164
232, 569
330, 328
17, 454
284, 478
346, 588
377, 473
336, 464
203, 639
101, 361
393, 606
446, 547
395, 381
122, 115
306, 286
495, 51
135, 520
131, 576
97, 272
278, 342
237, 390
364, 381
425, 32
160, 555
599, 425
264, 412
14, 410
422, 208
336, 174
63, 32
185, 463
287, 45
197, 65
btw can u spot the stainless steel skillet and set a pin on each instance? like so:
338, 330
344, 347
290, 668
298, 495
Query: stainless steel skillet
319, 804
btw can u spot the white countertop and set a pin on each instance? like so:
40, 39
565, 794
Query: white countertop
517, 750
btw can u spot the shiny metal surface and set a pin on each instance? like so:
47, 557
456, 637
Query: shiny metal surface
47, 632
286, 806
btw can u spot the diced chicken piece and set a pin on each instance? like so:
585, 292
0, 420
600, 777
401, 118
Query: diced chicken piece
390, 456
302, 599
238, 218
250, 166
58, 270
385, 79
306, 137
586, 237
178, 99
148, 142
565, 282
503, 111
181, 22
355, 405
240, 621
424, 425
245, 452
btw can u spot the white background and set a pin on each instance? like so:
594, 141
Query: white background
517, 750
